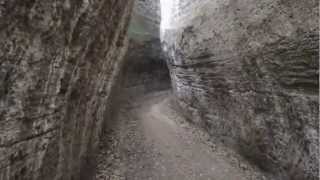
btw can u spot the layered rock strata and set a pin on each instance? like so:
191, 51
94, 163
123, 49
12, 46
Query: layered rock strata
247, 72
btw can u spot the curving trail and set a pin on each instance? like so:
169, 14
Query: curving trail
151, 141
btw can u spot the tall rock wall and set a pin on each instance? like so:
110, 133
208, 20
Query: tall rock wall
59, 61
145, 67
247, 72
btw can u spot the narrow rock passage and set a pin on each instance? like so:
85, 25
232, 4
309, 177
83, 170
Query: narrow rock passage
151, 141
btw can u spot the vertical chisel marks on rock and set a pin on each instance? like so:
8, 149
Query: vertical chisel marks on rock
58, 62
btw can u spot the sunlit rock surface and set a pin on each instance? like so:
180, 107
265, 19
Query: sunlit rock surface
58, 64
247, 72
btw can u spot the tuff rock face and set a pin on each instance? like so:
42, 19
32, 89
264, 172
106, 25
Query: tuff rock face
247, 71
59, 62
244, 70
145, 67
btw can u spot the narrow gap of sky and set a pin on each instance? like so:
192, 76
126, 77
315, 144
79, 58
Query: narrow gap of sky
167, 8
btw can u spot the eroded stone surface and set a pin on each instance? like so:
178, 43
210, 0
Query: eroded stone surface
247, 71
58, 63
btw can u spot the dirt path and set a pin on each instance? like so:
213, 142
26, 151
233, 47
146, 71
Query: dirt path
153, 142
